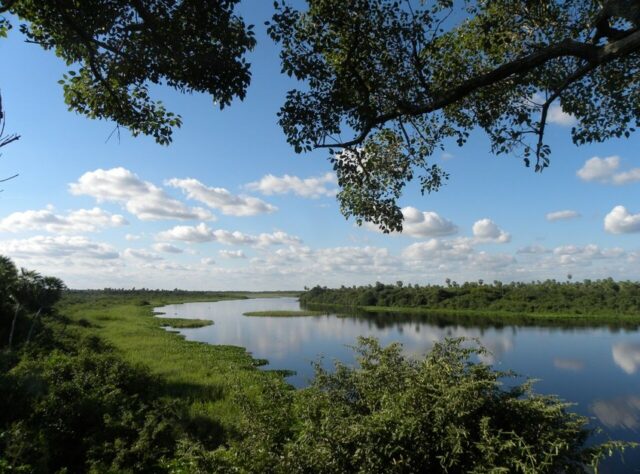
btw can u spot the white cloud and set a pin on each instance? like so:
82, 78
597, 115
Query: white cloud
485, 230
81, 220
221, 198
142, 254
626, 177
313, 187
621, 221
232, 254
584, 255
560, 117
186, 233
167, 248
57, 246
293, 260
605, 170
533, 250
141, 198
562, 215
435, 249
421, 224
202, 233
425, 224
132, 237
207, 261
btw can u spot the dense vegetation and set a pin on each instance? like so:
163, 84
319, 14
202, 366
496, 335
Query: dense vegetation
99, 386
599, 297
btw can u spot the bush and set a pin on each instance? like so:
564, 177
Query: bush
81, 412
444, 413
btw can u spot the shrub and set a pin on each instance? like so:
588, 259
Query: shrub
444, 413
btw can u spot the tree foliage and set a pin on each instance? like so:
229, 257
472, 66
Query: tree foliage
443, 413
589, 297
26, 295
407, 77
117, 50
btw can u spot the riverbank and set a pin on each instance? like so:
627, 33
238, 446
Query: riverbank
483, 317
208, 377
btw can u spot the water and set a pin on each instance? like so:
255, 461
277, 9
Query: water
598, 368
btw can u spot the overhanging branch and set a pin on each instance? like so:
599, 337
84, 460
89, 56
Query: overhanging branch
595, 56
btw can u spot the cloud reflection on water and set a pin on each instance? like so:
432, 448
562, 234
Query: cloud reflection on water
621, 412
626, 355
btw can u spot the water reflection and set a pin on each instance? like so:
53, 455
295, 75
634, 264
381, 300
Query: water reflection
573, 365
621, 412
580, 364
627, 356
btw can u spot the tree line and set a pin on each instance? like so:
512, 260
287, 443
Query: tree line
588, 297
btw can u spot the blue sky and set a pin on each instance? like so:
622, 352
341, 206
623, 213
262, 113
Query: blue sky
215, 211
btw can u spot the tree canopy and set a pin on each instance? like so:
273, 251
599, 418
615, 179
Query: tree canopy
401, 77
117, 49
398, 78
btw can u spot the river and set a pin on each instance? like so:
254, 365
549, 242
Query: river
598, 368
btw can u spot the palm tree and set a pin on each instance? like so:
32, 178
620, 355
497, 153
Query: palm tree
8, 277
47, 292
23, 295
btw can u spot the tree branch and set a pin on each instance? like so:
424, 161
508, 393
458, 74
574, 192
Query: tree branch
594, 55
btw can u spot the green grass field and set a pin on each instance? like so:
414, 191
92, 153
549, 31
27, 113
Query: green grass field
208, 376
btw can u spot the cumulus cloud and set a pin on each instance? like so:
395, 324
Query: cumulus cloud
222, 199
187, 233
562, 215
81, 220
605, 170
57, 246
313, 187
533, 250
232, 254
141, 198
584, 255
132, 237
207, 261
485, 230
560, 117
202, 233
425, 224
166, 248
421, 224
438, 249
621, 221
142, 254
327, 261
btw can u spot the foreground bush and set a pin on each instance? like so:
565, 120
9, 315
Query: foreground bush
82, 412
444, 413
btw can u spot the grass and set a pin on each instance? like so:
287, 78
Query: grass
208, 377
179, 323
284, 313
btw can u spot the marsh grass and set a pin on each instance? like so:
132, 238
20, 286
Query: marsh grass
179, 323
207, 377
